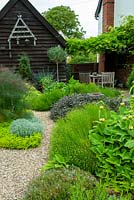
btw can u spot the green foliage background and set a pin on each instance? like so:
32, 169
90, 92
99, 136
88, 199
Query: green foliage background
119, 39
63, 19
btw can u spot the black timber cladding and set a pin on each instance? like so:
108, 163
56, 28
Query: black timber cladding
46, 36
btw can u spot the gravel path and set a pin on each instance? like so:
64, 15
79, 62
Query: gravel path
18, 167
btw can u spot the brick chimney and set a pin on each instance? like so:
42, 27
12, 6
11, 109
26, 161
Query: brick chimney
108, 20
108, 14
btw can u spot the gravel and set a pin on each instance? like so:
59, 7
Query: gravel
19, 167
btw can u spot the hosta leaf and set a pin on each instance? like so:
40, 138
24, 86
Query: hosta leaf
101, 128
121, 139
126, 175
59, 159
100, 149
129, 144
116, 149
107, 131
131, 132
125, 155
132, 184
109, 140
96, 138
114, 161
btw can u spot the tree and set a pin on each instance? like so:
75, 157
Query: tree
57, 55
64, 20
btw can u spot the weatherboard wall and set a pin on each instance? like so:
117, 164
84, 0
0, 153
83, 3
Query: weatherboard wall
37, 54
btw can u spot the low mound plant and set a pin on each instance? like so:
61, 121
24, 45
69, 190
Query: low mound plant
26, 127
57, 184
68, 103
13, 141
110, 92
43, 101
54, 91
69, 184
70, 137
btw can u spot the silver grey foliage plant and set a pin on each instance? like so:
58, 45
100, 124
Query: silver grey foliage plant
57, 55
26, 127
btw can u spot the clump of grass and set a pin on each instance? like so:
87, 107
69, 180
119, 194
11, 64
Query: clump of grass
70, 137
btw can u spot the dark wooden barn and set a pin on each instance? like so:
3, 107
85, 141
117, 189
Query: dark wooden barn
24, 31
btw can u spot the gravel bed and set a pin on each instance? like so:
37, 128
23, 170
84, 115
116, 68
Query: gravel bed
18, 167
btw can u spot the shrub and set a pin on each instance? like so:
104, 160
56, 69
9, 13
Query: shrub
92, 87
90, 58
44, 101
41, 103
70, 137
110, 92
131, 90
37, 79
74, 86
67, 103
131, 103
98, 192
12, 141
57, 90
113, 103
112, 142
54, 95
56, 184
12, 92
24, 67
37, 101
46, 82
130, 79
26, 127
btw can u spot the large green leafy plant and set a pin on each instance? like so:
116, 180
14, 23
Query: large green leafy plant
112, 141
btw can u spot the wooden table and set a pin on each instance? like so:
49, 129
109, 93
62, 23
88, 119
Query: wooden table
94, 77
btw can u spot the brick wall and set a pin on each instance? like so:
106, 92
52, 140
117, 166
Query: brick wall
122, 74
101, 67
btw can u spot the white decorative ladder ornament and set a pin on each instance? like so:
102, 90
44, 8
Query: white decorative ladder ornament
20, 31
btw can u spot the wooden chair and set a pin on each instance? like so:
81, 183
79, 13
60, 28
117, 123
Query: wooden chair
84, 77
107, 78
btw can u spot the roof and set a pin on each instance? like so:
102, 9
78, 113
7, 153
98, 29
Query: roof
98, 9
33, 10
